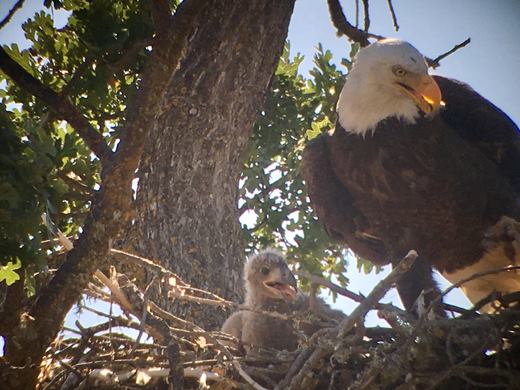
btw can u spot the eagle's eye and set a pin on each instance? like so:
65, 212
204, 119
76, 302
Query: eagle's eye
398, 71
265, 270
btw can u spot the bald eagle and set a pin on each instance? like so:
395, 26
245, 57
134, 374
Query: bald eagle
419, 162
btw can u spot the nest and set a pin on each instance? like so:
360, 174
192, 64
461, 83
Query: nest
469, 351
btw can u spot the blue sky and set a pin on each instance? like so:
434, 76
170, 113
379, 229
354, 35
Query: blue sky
490, 64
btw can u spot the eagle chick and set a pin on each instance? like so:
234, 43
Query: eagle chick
271, 287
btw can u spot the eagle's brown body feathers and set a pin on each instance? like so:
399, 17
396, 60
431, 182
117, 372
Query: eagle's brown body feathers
437, 186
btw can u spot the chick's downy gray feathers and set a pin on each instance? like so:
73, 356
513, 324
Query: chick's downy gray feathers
271, 287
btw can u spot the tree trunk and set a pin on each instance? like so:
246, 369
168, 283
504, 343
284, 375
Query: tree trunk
188, 189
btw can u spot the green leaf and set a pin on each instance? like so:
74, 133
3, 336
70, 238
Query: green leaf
7, 272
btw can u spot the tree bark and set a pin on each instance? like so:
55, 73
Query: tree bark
188, 190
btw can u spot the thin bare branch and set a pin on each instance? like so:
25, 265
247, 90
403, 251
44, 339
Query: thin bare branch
331, 286
366, 13
394, 16
12, 11
436, 61
358, 314
345, 28
511, 268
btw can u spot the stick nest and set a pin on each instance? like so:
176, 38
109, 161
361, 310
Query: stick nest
146, 347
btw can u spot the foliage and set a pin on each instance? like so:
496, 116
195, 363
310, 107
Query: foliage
45, 166
96, 58
7, 272
274, 201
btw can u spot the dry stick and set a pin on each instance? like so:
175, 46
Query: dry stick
315, 357
345, 28
143, 315
355, 34
302, 357
453, 368
176, 374
470, 278
11, 13
193, 327
392, 12
358, 314
147, 263
115, 290
376, 294
315, 279
366, 13
436, 61
215, 301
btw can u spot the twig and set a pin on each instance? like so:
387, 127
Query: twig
315, 279
12, 11
376, 294
357, 13
475, 276
303, 356
144, 262
316, 356
392, 12
436, 61
345, 28
452, 370
163, 314
366, 13
144, 313
115, 290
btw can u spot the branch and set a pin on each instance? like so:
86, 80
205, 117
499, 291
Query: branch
110, 210
510, 268
436, 61
362, 37
392, 12
376, 294
12, 11
331, 286
366, 13
315, 357
59, 104
345, 28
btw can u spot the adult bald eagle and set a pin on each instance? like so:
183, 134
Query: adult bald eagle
404, 170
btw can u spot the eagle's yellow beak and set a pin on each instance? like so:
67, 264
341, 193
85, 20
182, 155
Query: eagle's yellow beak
425, 92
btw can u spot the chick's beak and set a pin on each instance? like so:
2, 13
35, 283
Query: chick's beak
283, 283
425, 92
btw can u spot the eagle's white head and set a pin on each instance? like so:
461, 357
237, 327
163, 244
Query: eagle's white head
389, 78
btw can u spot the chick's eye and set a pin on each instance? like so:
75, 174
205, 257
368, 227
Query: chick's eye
398, 71
264, 270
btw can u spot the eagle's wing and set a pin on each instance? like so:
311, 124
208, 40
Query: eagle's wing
480, 122
233, 326
333, 203
343, 221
